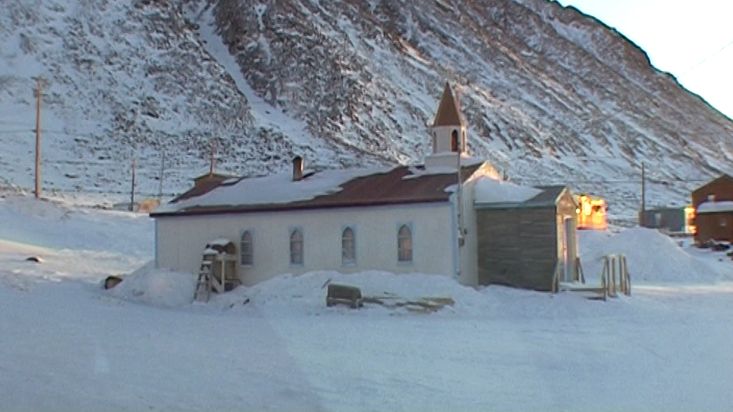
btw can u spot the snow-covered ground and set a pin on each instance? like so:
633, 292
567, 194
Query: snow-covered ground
66, 344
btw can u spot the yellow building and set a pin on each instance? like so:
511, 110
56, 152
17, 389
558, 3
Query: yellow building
591, 212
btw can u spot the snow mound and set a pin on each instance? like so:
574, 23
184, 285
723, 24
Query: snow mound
307, 292
651, 256
159, 287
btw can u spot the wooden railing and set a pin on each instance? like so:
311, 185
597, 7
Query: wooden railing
615, 276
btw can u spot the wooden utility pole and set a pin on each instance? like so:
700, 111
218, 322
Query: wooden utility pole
38, 93
132, 190
162, 170
212, 161
642, 215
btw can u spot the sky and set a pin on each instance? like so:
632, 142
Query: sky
693, 40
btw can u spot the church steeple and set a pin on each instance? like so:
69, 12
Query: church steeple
448, 113
449, 127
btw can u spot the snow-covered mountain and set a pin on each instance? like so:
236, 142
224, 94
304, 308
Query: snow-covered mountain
551, 95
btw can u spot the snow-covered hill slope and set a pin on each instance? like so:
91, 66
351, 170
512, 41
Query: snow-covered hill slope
552, 95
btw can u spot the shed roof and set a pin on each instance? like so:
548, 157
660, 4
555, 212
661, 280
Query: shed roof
327, 189
545, 196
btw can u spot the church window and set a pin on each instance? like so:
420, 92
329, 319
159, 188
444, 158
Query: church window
454, 141
404, 244
245, 249
296, 247
348, 247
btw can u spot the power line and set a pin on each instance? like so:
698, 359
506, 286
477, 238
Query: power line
706, 59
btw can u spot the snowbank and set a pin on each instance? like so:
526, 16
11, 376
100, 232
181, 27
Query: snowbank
157, 287
651, 256
307, 292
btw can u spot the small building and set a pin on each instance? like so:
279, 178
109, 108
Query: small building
423, 218
713, 203
591, 212
524, 241
673, 220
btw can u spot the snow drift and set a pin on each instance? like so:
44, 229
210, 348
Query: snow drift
651, 256
160, 287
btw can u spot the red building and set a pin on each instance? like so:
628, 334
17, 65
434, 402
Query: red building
713, 203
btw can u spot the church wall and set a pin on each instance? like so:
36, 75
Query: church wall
180, 240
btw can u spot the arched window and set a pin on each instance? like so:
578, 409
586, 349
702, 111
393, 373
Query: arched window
404, 244
348, 246
296, 247
245, 248
454, 141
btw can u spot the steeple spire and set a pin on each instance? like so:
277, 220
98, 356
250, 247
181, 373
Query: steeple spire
449, 114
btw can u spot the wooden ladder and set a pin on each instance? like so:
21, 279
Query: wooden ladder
203, 284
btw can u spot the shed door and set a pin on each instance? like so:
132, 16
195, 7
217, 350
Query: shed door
568, 248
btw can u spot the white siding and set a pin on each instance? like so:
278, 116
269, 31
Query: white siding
469, 251
180, 240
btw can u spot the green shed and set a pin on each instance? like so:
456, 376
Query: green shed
524, 241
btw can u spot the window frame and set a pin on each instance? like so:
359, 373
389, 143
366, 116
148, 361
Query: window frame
411, 238
344, 261
251, 248
291, 233
455, 144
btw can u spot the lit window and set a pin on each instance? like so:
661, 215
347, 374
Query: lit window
348, 246
296, 247
404, 244
245, 248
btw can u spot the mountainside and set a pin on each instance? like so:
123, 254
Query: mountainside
551, 95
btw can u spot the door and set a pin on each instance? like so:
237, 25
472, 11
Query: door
569, 249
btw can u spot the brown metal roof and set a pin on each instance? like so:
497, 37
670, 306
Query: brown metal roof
449, 114
396, 186
203, 184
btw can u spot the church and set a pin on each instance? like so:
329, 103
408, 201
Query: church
451, 215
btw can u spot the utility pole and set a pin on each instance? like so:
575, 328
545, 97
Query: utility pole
642, 215
162, 169
132, 190
38, 93
212, 160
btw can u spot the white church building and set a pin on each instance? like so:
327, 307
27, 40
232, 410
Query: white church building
427, 218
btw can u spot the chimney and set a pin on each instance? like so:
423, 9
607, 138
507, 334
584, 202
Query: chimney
297, 168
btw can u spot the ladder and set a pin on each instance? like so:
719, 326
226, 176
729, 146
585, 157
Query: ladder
203, 284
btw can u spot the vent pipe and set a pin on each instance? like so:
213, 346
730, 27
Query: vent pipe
297, 168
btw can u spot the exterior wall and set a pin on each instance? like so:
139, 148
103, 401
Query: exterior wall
517, 247
180, 240
441, 136
566, 211
721, 188
672, 219
716, 226
469, 252
708, 225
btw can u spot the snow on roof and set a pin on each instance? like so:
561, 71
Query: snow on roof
220, 242
422, 170
712, 207
490, 190
273, 189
